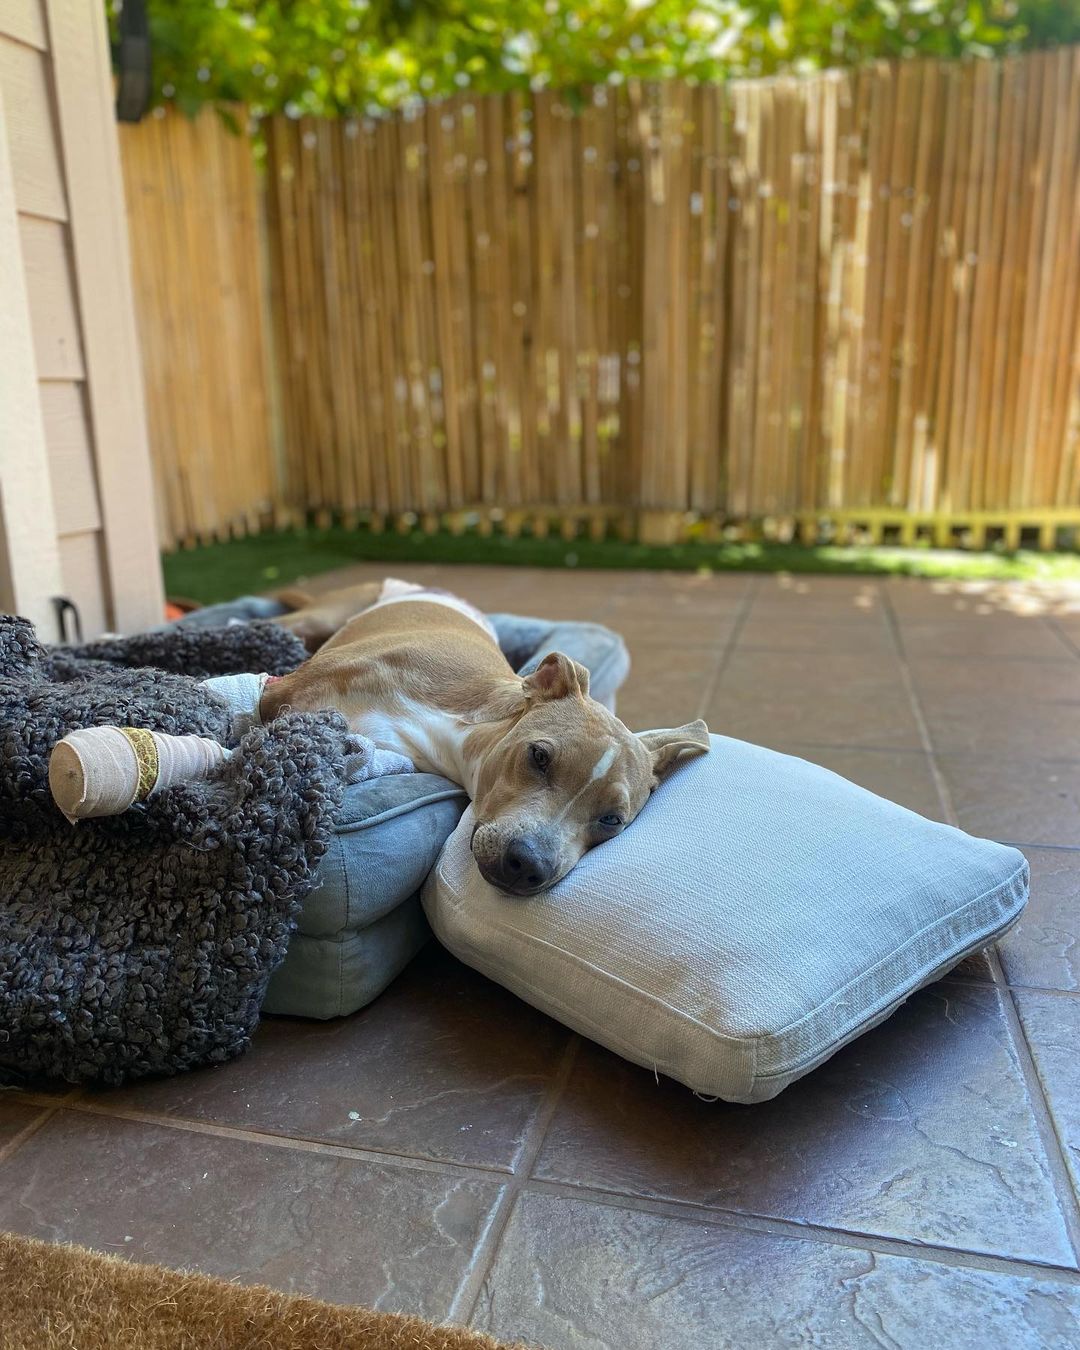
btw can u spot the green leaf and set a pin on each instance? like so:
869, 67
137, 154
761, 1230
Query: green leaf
342, 55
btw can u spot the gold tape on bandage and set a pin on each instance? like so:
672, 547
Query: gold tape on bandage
146, 755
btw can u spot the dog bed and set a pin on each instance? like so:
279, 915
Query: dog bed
760, 913
363, 922
145, 943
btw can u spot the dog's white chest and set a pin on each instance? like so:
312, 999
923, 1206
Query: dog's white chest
431, 738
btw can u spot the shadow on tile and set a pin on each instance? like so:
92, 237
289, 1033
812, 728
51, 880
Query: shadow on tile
444, 1065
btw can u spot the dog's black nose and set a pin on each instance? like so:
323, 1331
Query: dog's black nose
526, 866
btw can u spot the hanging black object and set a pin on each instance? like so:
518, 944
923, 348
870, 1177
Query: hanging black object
65, 609
132, 60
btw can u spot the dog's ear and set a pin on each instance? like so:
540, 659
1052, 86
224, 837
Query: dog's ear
557, 676
667, 746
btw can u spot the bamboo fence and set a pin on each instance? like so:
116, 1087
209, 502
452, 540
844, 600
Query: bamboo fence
850, 300
194, 217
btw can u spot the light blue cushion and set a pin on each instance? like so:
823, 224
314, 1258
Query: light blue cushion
760, 913
244, 609
333, 976
355, 932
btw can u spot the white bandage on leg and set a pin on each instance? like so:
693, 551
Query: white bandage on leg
242, 694
101, 771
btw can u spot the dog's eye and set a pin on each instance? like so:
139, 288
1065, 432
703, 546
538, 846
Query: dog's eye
610, 822
539, 757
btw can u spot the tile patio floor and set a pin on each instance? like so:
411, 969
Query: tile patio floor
451, 1152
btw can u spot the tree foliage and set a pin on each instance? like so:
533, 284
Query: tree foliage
331, 57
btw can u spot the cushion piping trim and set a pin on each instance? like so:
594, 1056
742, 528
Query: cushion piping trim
402, 809
987, 897
880, 1010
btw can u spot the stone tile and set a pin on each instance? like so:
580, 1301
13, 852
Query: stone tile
704, 582
903, 776
861, 614
663, 626
15, 1116
767, 630
930, 600
560, 598
573, 1274
582, 609
532, 581
684, 593
997, 636
1020, 801
704, 590
445, 1065
670, 704
1025, 708
1044, 948
1068, 629
942, 678
1048, 682
934, 601
664, 688
814, 698
352, 1232
546, 592
921, 1130
851, 597
1052, 1026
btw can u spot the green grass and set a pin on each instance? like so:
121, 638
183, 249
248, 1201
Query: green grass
264, 562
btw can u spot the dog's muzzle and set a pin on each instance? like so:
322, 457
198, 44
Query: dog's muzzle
524, 867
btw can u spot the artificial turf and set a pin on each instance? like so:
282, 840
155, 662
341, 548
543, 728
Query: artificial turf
262, 562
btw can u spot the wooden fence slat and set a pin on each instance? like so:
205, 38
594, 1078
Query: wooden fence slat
1066, 383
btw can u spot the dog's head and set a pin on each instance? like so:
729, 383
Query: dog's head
565, 777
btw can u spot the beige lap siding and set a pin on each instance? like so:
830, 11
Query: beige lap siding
71, 457
76, 504
54, 313
34, 145
24, 20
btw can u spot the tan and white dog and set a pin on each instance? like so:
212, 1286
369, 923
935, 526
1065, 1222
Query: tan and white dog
550, 771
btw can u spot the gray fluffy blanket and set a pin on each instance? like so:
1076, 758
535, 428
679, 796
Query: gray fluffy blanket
142, 944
